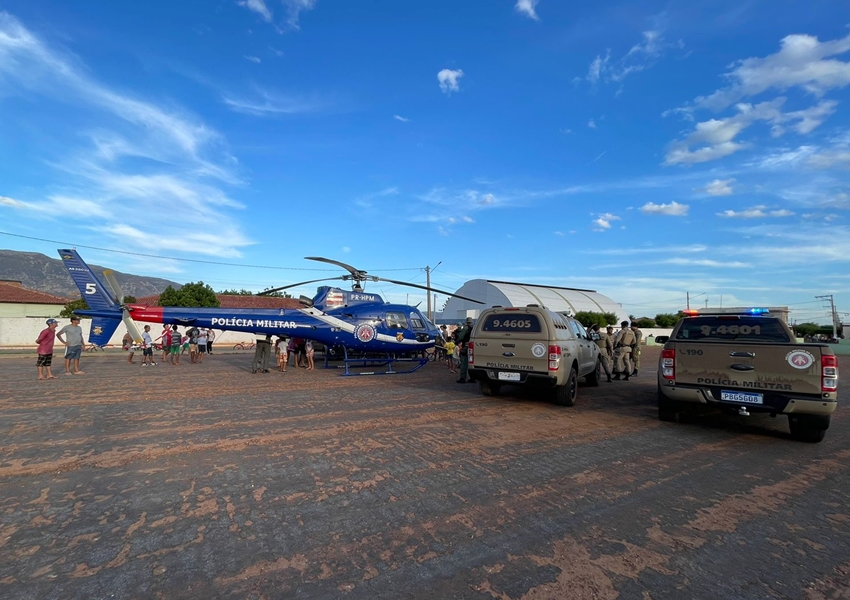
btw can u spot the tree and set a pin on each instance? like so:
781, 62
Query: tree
129, 299
190, 295
644, 323
74, 305
666, 319
804, 329
235, 292
588, 318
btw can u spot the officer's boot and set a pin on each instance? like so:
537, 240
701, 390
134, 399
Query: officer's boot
616, 375
609, 378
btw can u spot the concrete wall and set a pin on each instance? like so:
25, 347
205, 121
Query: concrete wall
11, 309
21, 332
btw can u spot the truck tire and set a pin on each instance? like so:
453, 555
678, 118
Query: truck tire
488, 388
667, 409
808, 428
565, 395
594, 377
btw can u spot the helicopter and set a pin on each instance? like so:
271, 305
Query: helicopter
368, 330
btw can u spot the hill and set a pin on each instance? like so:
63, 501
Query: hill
44, 274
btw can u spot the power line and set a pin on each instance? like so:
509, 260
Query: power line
189, 260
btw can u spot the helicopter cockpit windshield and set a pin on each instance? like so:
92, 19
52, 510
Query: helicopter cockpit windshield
396, 320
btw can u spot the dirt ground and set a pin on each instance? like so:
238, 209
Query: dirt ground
207, 481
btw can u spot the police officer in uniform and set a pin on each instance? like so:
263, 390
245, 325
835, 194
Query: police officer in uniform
606, 347
623, 345
463, 335
636, 351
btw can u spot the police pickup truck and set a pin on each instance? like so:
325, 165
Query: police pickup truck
747, 362
532, 347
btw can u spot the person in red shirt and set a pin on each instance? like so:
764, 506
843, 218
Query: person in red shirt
45, 342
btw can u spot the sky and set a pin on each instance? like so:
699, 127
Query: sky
650, 150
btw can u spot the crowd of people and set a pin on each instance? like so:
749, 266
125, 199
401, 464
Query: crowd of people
301, 350
620, 351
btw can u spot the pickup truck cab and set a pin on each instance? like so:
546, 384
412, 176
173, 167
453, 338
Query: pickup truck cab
532, 347
747, 363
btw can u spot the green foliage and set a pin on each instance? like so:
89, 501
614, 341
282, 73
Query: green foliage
190, 295
666, 319
129, 299
588, 318
74, 305
644, 322
804, 329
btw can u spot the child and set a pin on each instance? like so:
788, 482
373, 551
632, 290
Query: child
283, 354
456, 359
450, 351
308, 349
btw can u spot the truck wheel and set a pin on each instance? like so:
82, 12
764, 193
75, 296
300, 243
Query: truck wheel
594, 377
808, 428
488, 388
667, 409
565, 395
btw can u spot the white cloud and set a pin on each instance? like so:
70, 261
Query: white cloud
253, 59
259, 7
802, 61
468, 219
400, 118
674, 209
826, 160
448, 79
527, 7
592, 124
603, 221
705, 262
640, 57
715, 138
785, 158
105, 179
559, 233
268, 104
755, 212
720, 187
294, 9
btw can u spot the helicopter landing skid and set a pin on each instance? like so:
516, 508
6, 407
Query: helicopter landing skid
376, 361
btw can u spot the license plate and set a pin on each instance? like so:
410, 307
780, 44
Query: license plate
742, 397
508, 376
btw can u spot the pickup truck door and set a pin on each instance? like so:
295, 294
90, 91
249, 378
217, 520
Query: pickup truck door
587, 356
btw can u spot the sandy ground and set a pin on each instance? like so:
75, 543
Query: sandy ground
205, 481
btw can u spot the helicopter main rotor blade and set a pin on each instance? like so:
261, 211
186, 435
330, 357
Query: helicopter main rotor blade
117, 293
349, 268
109, 275
431, 289
286, 287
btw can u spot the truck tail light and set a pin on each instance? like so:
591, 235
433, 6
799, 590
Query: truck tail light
668, 364
829, 373
554, 357
470, 352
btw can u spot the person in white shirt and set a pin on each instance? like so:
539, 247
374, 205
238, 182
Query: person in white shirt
147, 347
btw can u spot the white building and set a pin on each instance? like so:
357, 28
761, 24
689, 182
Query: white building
503, 293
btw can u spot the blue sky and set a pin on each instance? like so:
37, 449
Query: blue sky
643, 149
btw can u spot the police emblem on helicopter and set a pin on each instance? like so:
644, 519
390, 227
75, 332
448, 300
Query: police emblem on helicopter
365, 333
399, 336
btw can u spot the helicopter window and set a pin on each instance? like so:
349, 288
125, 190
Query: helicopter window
396, 320
417, 323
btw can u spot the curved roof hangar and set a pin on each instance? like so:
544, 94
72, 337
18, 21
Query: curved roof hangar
505, 293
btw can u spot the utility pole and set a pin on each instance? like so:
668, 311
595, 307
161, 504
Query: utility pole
832, 313
689, 300
428, 285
